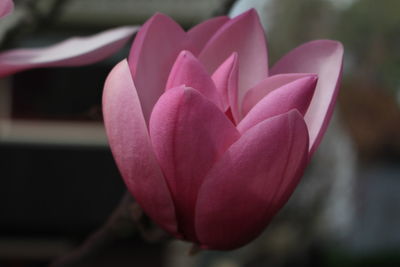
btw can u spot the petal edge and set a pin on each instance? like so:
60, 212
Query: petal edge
325, 58
130, 144
71, 52
251, 182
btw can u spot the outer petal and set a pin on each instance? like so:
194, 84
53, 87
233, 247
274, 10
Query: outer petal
152, 55
294, 95
325, 58
201, 33
258, 92
188, 71
72, 52
6, 7
189, 134
226, 81
129, 140
251, 182
244, 35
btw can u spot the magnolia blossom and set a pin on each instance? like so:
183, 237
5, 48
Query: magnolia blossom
209, 140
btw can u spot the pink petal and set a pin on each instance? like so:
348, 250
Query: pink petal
294, 95
244, 35
152, 55
130, 144
72, 52
6, 7
226, 81
188, 71
258, 92
325, 58
201, 33
189, 133
245, 188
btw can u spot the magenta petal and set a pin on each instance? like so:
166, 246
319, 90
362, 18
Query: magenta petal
251, 182
325, 58
201, 33
72, 52
188, 71
294, 95
152, 55
189, 133
6, 7
130, 144
226, 81
258, 92
244, 35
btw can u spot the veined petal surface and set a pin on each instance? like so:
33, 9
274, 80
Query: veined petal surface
152, 55
245, 36
226, 81
325, 58
188, 71
189, 134
295, 95
266, 86
250, 182
130, 144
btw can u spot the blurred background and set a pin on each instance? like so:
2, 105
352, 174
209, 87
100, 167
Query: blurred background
58, 181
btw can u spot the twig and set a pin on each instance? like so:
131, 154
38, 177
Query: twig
126, 219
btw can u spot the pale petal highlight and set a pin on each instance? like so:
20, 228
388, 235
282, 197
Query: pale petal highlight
325, 58
71, 52
130, 144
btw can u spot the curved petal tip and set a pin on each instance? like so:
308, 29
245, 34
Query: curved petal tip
71, 52
130, 144
325, 58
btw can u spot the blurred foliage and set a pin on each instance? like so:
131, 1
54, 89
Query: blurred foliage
286, 31
370, 31
340, 258
369, 98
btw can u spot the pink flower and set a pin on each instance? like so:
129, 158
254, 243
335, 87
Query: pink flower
208, 139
